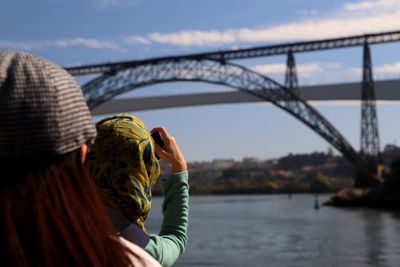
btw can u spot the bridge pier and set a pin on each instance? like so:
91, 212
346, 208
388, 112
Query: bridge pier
367, 174
291, 81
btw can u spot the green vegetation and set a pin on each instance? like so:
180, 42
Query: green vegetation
317, 172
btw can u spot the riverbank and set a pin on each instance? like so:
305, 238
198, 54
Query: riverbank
357, 197
385, 196
314, 173
274, 230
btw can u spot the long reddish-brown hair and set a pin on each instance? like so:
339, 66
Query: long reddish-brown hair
51, 215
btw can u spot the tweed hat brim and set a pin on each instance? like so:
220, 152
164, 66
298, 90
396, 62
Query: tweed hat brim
42, 108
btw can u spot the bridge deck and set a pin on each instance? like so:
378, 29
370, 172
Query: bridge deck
384, 90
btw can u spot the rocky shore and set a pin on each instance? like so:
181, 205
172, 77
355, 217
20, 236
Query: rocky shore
358, 197
384, 196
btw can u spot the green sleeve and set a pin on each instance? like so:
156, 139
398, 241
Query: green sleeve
172, 239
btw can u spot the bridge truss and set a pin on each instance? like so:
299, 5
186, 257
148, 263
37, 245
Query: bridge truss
262, 51
107, 86
213, 67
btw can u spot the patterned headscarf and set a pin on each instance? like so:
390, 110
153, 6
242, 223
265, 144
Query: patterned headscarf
122, 163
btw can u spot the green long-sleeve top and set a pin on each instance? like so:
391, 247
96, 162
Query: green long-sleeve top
170, 243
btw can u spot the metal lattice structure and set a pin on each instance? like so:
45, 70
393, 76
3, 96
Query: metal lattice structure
109, 85
369, 121
262, 51
214, 67
291, 81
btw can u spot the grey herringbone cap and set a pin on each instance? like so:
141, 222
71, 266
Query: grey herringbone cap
42, 109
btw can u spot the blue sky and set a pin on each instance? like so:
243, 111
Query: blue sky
73, 32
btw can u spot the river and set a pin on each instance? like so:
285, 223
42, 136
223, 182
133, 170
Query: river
278, 231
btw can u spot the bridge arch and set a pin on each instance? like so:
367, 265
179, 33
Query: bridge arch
118, 81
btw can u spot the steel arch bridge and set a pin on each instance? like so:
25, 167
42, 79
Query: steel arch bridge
108, 85
212, 67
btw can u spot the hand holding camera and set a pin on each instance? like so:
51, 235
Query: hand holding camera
167, 149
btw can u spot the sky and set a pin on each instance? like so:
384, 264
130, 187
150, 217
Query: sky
74, 32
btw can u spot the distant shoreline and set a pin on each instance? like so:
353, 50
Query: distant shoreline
255, 194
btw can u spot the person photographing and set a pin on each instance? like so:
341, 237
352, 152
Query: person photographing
123, 163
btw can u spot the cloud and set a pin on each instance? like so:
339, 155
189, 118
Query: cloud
371, 5
376, 16
85, 42
356, 17
356, 71
307, 12
380, 71
303, 70
312, 73
135, 39
393, 68
5, 44
189, 38
269, 68
115, 3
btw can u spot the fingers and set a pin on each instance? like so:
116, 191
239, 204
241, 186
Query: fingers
170, 152
160, 151
161, 130
165, 137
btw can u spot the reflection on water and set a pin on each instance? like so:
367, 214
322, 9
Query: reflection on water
382, 238
274, 230
374, 240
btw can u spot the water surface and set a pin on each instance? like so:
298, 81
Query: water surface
274, 230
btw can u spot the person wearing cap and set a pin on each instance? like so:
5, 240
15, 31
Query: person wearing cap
123, 163
50, 211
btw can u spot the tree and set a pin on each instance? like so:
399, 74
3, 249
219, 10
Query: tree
321, 184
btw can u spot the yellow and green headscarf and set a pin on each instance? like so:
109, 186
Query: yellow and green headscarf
123, 165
